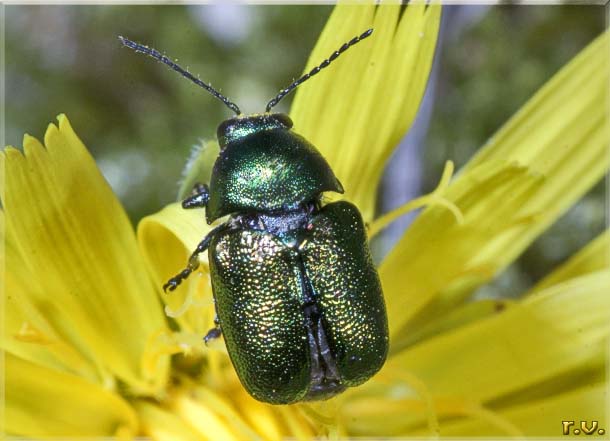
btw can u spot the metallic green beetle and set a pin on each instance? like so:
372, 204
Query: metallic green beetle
298, 299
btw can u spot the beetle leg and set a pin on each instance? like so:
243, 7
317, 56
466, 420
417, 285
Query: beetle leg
215, 332
193, 262
199, 199
212, 334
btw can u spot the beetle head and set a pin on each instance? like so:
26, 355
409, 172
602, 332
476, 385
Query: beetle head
240, 127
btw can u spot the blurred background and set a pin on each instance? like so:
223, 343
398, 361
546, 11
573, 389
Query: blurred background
140, 120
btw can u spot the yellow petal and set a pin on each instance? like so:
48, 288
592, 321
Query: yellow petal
542, 417
273, 422
492, 369
76, 244
204, 419
594, 257
455, 318
431, 199
584, 375
27, 332
262, 418
562, 133
162, 425
567, 327
45, 402
394, 417
534, 169
296, 426
359, 108
381, 405
226, 410
439, 257
167, 239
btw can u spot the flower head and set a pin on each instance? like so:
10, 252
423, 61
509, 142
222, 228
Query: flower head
93, 347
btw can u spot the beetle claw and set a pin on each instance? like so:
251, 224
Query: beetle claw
171, 285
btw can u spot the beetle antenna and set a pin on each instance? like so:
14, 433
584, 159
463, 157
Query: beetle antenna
140, 48
317, 69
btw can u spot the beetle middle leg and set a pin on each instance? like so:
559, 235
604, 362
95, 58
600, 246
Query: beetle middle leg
213, 333
193, 262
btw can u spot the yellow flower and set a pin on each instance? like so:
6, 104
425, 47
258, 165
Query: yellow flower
89, 351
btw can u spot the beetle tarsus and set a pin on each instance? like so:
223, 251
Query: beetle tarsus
171, 284
212, 334
199, 198
193, 262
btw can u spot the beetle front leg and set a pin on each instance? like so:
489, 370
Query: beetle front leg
199, 199
193, 262
192, 265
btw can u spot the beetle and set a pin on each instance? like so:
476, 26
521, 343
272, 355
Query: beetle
298, 299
